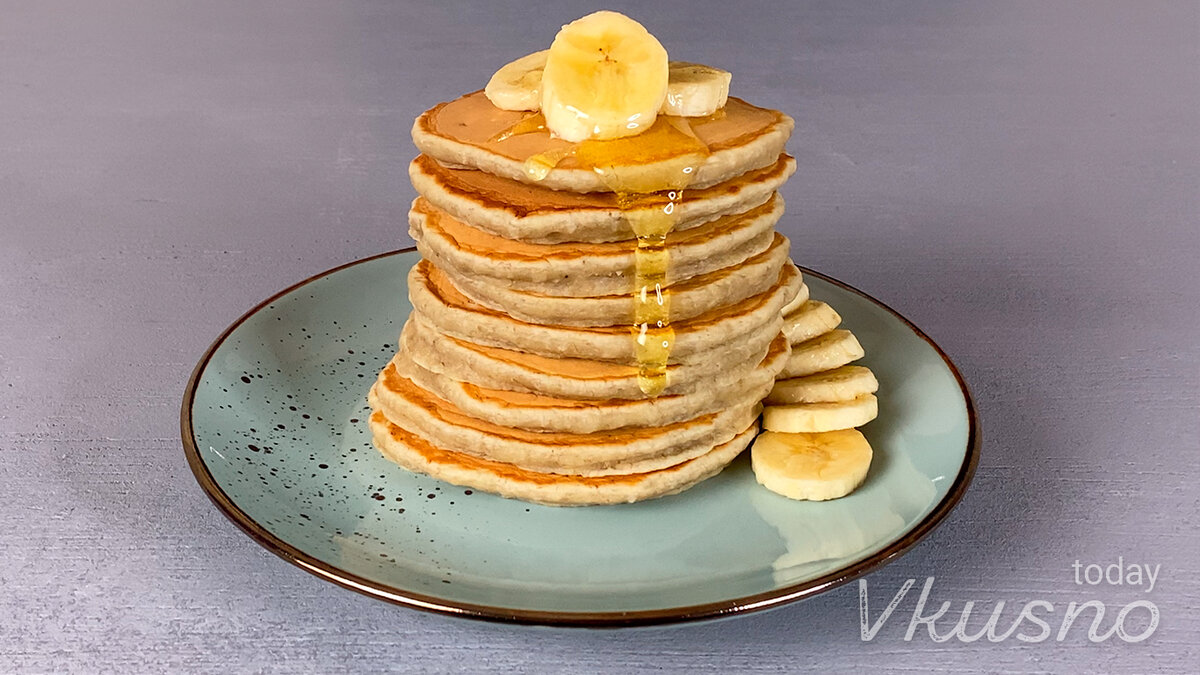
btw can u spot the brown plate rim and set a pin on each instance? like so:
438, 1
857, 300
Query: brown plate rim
668, 615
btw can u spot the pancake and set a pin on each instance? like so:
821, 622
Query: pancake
462, 132
436, 299
583, 269
539, 412
416, 454
539, 214
603, 453
518, 370
511, 370
688, 298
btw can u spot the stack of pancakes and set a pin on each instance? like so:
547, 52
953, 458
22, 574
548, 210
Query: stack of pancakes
517, 372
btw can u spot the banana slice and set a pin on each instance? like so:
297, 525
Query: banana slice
818, 417
605, 78
518, 85
811, 466
695, 90
831, 350
840, 384
800, 299
813, 319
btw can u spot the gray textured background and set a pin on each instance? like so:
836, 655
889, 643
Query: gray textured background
1021, 179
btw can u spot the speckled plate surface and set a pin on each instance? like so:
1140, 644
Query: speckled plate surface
273, 426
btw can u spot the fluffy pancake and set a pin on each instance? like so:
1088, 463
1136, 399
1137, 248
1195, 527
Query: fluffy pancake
688, 298
512, 370
604, 453
539, 412
536, 213
416, 454
463, 132
449, 311
583, 269
518, 369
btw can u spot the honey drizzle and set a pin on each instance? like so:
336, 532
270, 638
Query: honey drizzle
526, 125
653, 335
648, 173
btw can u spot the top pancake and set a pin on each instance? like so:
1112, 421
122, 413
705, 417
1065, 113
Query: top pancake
462, 133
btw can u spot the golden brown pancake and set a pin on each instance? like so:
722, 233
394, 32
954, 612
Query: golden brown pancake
585, 269
518, 371
444, 307
416, 454
688, 298
538, 214
602, 453
464, 132
540, 412
513, 370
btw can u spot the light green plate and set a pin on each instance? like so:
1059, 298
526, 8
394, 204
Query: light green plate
274, 428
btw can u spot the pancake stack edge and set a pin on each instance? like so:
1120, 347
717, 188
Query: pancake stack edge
516, 372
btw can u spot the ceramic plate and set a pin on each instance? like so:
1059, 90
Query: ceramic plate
273, 424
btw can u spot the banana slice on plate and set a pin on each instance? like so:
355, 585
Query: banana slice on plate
831, 350
797, 302
812, 319
605, 78
812, 466
818, 417
695, 90
518, 85
840, 384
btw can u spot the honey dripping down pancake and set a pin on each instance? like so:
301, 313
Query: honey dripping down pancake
648, 173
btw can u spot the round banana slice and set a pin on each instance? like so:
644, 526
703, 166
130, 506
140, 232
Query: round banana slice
831, 350
605, 78
840, 384
812, 319
695, 90
797, 302
818, 417
518, 85
811, 466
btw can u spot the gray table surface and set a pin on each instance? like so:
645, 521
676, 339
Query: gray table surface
1021, 179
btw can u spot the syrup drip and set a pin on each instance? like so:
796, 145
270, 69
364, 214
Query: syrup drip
527, 125
648, 172
653, 335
